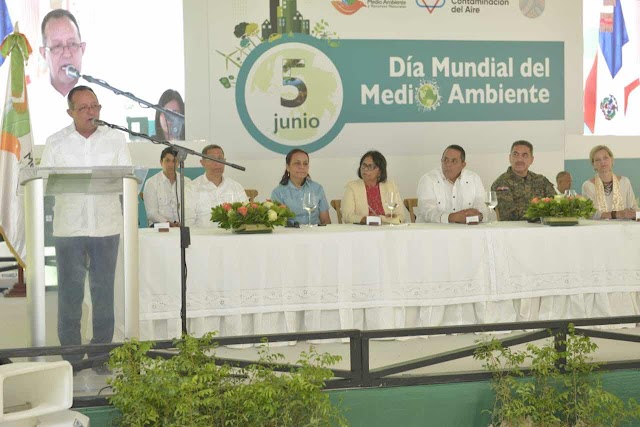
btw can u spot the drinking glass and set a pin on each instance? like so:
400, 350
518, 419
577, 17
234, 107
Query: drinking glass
491, 200
309, 203
392, 201
229, 198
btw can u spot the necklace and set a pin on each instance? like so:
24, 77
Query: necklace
608, 187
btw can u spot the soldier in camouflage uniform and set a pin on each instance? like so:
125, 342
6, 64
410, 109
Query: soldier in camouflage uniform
518, 185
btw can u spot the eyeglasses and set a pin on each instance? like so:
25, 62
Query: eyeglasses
86, 108
59, 49
368, 167
447, 160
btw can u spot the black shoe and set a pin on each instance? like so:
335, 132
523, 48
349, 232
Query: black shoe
102, 370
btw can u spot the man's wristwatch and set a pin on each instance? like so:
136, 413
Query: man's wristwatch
613, 215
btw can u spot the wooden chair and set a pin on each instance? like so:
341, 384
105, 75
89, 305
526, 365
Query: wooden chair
335, 203
251, 194
410, 204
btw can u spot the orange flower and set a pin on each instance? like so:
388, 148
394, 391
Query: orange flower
254, 205
242, 210
535, 200
226, 206
546, 199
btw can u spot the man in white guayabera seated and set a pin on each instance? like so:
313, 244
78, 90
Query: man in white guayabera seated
210, 189
162, 192
451, 193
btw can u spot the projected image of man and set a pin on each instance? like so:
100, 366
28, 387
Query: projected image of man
62, 46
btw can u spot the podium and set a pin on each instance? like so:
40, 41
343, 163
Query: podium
120, 182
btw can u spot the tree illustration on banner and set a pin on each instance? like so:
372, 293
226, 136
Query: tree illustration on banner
16, 146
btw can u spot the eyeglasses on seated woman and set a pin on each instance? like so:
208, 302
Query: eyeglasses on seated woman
372, 194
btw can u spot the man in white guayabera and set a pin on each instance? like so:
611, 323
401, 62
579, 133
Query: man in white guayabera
210, 190
86, 228
450, 193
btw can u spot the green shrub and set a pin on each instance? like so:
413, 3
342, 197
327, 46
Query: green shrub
563, 389
189, 389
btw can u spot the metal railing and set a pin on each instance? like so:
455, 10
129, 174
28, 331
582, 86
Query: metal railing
360, 373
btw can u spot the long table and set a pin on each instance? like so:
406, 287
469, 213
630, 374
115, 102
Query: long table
351, 276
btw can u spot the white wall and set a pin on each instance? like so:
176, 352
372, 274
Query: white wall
486, 155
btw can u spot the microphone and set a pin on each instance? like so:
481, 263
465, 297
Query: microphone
98, 122
71, 71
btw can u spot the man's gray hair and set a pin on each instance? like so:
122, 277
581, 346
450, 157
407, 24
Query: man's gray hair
212, 147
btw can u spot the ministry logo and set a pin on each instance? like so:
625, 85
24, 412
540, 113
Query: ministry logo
431, 5
348, 7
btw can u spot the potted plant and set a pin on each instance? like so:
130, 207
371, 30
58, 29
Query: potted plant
560, 210
563, 389
251, 217
190, 389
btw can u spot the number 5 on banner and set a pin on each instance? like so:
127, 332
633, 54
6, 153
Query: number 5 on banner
287, 67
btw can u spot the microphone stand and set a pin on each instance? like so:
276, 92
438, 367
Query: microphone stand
174, 118
185, 236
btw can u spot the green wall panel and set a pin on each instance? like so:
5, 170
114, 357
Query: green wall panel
441, 405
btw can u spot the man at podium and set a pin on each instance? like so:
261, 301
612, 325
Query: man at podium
86, 228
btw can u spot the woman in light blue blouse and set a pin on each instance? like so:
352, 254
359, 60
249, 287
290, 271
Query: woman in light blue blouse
295, 183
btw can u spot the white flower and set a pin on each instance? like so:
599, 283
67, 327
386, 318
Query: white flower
267, 205
559, 196
272, 215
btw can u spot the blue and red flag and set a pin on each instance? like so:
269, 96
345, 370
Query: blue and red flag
607, 90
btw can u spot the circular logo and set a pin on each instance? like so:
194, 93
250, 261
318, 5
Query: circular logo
289, 95
532, 8
609, 107
428, 95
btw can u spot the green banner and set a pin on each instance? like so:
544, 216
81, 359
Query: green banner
300, 91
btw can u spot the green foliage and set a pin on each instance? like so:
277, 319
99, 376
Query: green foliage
557, 393
321, 31
560, 207
236, 215
191, 390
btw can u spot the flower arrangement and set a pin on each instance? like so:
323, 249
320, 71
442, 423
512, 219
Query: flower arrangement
560, 207
240, 215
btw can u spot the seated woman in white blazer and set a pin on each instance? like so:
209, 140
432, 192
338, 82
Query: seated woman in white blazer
368, 195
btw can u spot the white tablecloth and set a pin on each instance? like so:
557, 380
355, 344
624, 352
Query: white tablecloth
349, 276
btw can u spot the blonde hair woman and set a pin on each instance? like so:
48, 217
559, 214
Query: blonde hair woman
612, 195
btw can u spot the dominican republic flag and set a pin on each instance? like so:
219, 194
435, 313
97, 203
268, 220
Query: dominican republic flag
16, 147
610, 98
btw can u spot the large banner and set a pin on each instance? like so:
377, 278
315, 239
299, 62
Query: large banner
283, 76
